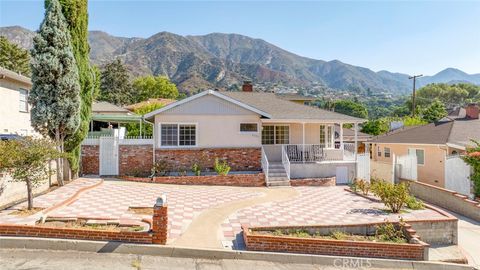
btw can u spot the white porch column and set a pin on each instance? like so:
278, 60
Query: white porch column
341, 136
356, 139
303, 142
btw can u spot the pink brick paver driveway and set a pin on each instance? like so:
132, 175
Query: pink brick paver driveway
317, 205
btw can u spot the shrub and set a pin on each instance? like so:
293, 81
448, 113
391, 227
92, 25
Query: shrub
473, 159
363, 185
393, 196
414, 204
196, 169
161, 168
221, 168
388, 232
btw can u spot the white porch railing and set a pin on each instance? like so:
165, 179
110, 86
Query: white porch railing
265, 165
286, 161
317, 153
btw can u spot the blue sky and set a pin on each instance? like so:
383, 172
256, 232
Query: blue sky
408, 37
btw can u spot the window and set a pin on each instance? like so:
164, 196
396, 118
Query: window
178, 135
248, 127
379, 151
23, 106
326, 136
322, 135
386, 152
276, 135
420, 153
329, 137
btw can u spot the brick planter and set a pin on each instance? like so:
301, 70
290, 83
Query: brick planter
157, 234
322, 182
414, 250
241, 180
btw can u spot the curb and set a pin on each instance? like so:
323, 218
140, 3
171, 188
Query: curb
215, 254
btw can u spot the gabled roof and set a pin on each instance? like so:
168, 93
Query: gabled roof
14, 76
204, 93
281, 109
456, 132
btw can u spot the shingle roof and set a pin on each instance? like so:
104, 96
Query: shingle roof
106, 107
282, 109
458, 132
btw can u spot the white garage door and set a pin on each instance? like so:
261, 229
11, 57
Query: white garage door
342, 175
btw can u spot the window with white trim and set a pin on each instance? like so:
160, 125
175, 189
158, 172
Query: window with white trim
386, 152
178, 135
248, 127
276, 134
23, 104
379, 151
329, 136
326, 136
420, 153
322, 135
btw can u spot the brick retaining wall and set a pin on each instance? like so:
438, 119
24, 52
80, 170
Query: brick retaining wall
324, 182
239, 159
415, 250
242, 180
135, 159
90, 159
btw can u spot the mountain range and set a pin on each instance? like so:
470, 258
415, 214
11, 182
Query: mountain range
222, 60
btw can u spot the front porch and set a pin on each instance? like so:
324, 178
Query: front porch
307, 150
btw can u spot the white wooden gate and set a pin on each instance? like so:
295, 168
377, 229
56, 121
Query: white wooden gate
363, 166
341, 175
457, 175
108, 156
406, 167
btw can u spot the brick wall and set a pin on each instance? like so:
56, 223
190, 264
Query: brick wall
135, 159
415, 250
239, 159
324, 182
90, 159
242, 180
157, 235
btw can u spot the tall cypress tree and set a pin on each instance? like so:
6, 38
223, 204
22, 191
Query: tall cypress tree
76, 15
55, 94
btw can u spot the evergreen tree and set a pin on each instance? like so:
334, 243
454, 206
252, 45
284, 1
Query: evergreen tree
76, 16
115, 86
55, 94
13, 57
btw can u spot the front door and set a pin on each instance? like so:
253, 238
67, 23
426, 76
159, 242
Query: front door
342, 175
108, 156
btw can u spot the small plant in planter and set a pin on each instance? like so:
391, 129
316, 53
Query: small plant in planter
388, 232
196, 169
221, 168
363, 185
161, 168
413, 203
394, 196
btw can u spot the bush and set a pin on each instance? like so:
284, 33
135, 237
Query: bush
161, 168
394, 196
221, 168
363, 185
196, 169
387, 232
414, 204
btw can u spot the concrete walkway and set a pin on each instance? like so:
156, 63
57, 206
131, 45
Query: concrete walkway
469, 239
205, 231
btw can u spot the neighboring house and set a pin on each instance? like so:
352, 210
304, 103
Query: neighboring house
150, 101
297, 98
14, 107
253, 130
107, 117
349, 137
431, 144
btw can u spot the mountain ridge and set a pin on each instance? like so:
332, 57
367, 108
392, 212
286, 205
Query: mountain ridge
219, 60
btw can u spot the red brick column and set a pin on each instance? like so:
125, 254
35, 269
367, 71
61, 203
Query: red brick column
160, 222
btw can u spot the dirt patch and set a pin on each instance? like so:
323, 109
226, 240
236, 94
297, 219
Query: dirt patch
26, 212
82, 224
141, 210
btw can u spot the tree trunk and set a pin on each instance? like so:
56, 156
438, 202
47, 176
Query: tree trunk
60, 159
29, 194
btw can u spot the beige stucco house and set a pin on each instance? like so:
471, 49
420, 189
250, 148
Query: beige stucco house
14, 108
287, 139
431, 144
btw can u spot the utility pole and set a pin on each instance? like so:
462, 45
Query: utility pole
414, 77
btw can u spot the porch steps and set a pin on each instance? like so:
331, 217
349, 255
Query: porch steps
277, 177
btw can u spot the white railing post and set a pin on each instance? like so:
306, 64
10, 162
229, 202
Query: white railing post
265, 165
286, 161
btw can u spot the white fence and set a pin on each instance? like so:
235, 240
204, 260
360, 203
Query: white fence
128, 140
457, 175
406, 167
363, 166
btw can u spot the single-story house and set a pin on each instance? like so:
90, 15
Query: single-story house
254, 131
108, 117
431, 144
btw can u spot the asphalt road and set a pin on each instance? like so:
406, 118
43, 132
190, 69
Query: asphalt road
19, 259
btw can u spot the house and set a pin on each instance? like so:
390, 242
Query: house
150, 101
14, 107
349, 137
431, 144
254, 131
107, 117
297, 98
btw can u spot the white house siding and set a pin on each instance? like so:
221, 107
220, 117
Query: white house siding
218, 123
12, 120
